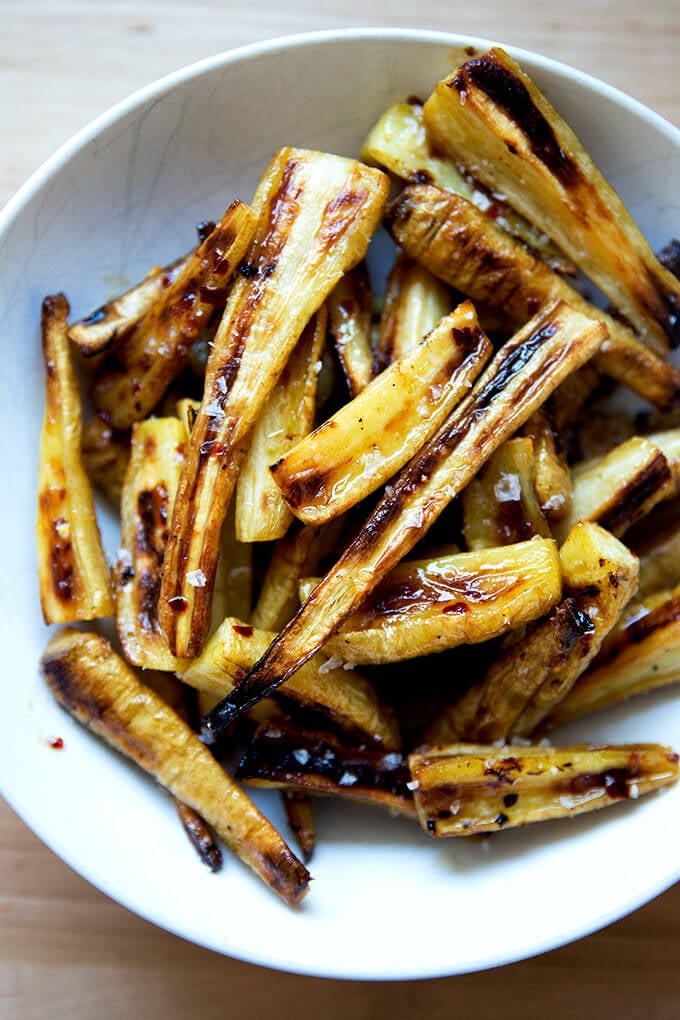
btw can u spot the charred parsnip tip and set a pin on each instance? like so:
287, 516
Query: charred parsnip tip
157, 456
300, 817
350, 310
400, 144
315, 216
155, 353
462, 246
284, 755
500, 505
287, 416
552, 479
322, 684
99, 690
75, 583
519, 379
618, 489
415, 302
642, 654
106, 326
491, 116
199, 836
527, 681
464, 789
427, 606
105, 456
371, 438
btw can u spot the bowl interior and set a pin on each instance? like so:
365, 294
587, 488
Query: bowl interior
122, 197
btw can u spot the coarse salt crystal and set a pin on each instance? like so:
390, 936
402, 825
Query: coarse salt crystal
508, 489
301, 755
413, 784
347, 779
330, 664
196, 578
634, 791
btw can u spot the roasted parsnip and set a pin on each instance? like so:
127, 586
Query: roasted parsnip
154, 354
659, 557
463, 789
316, 214
321, 684
300, 818
369, 439
105, 456
641, 655
287, 416
415, 302
522, 687
151, 479
106, 326
75, 583
399, 143
500, 505
618, 489
427, 606
462, 246
552, 479
519, 379
283, 755
96, 687
491, 117
349, 319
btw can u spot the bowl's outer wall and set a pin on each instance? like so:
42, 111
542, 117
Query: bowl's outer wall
110, 208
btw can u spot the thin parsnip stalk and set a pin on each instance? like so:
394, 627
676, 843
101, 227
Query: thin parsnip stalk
75, 583
287, 416
415, 301
350, 310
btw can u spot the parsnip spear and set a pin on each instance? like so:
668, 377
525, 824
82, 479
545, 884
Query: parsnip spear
99, 690
316, 214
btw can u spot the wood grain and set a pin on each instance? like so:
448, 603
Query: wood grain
66, 951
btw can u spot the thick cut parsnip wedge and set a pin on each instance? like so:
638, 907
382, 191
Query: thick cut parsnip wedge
618, 489
520, 378
500, 505
350, 311
640, 656
462, 246
463, 789
315, 216
400, 144
669, 444
369, 439
321, 684
233, 589
156, 459
75, 583
106, 326
527, 681
300, 818
105, 456
155, 353
415, 302
491, 116
286, 756
99, 690
427, 606
552, 479
296, 556
287, 416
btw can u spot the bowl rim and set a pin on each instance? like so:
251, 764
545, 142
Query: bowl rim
156, 90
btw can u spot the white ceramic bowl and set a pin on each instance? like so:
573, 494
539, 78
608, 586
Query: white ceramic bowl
387, 901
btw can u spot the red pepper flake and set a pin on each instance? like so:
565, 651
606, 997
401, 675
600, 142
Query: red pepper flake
244, 629
56, 742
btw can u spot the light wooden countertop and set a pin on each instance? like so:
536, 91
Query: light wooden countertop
65, 949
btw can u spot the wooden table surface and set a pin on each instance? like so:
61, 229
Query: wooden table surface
65, 949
